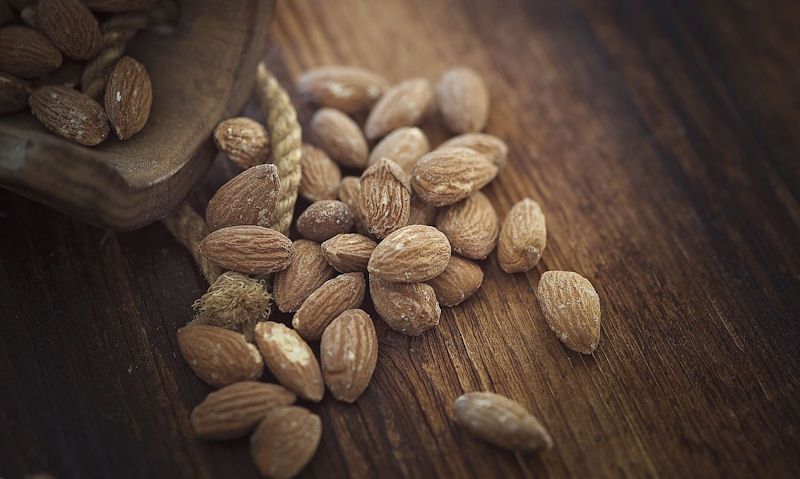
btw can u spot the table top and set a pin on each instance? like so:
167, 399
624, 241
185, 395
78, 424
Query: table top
660, 139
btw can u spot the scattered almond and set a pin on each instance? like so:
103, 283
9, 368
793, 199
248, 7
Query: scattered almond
285, 441
523, 237
421, 213
129, 95
348, 252
70, 114
219, 356
463, 100
309, 270
404, 104
336, 295
320, 175
411, 254
247, 249
13, 94
71, 27
461, 279
350, 194
443, 177
349, 354
385, 198
408, 308
290, 360
501, 421
340, 137
572, 309
348, 89
491, 146
249, 198
471, 226
325, 219
244, 140
404, 146
26, 53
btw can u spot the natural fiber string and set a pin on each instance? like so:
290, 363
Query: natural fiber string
189, 228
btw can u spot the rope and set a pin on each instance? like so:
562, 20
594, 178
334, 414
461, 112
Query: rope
189, 228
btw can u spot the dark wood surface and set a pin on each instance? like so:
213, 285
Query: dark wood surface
661, 140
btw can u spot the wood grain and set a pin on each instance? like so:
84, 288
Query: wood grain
658, 138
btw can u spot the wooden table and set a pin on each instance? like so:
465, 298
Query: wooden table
661, 140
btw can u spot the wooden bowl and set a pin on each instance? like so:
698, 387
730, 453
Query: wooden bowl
201, 74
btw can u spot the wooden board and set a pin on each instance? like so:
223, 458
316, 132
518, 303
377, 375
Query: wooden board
202, 72
659, 138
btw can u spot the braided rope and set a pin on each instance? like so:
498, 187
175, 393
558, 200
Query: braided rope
189, 228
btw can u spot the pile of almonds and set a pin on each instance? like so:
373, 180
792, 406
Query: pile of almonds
31, 58
410, 232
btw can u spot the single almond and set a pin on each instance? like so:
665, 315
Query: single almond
443, 177
345, 88
461, 279
235, 410
290, 360
340, 137
523, 237
471, 226
336, 295
411, 254
408, 308
421, 213
500, 421
348, 252
26, 53
404, 146
404, 104
463, 100
247, 249
129, 95
385, 198
219, 356
325, 219
309, 270
572, 309
13, 94
350, 194
285, 441
118, 5
244, 140
491, 146
71, 27
70, 114
249, 198
320, 175
348, 353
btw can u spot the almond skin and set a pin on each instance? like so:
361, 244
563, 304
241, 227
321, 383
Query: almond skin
491, 146
404, 146
26, 53
249, 198
323, 220
244, 140
500, 421
408, 308
219, 356
348, 89
411, 254
129, 95
340, 137
350, 194
70, 114
463, 100
337, 295
235, 410
309, 270
285, 441
523, 237
290, 360
13, 94
461, 279
247, 249
320, 175
71, 27
404, 104
348, 252
572, 309
443, 177
471, 226
349, 353
421, 213
385, 198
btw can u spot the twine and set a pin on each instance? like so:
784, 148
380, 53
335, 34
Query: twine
189, 228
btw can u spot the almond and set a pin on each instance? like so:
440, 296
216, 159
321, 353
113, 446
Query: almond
572, 309
349, 89
71, 27
463, 100
348, 252
349, 353
290, 360
340, 137
385, 198
309, 270
285, 441
501, 421
13, 94
129, 95
320, 175
235, 410
324, 219
409, 308
491, 146
247, 199
26, 53
244, 140
404, 146
523, 237
219, 356
471, 226
460, 280
118, 5
411, 254
70, 114
421, 213
443, 177
247, 249
336, 295
350, 194
404, 104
